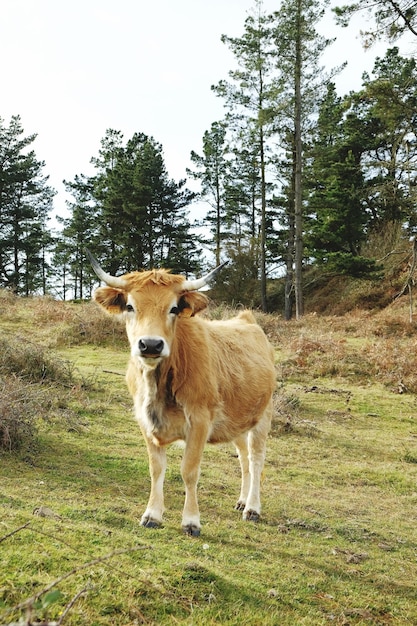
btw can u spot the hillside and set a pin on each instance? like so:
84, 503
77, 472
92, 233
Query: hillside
336, 543
335, 295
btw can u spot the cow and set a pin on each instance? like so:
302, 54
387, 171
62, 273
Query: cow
192, 379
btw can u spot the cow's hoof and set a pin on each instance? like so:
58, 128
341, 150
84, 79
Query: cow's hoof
251, 516
240, 506
148, 522
191, 530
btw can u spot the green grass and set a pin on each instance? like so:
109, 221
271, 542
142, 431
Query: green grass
337, 543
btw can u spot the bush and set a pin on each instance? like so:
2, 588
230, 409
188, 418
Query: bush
33, 362
348, 264
34, 384
86, 323
20, 405
58, 323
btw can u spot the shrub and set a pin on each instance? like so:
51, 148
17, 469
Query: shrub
348, 264
32, 362
34, 384
87, 324
20, 405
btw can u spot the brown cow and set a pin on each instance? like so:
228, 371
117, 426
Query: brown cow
193, 380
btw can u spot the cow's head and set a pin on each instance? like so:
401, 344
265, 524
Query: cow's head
151, 302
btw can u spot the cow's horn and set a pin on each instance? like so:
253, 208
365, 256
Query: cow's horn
112, 281
192, 285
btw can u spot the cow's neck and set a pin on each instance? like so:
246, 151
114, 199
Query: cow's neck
157, 393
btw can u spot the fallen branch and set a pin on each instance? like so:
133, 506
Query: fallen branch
29, 602
56, 582
112, 568
71, 604
17, 530
389, 254
26, 623
113, 372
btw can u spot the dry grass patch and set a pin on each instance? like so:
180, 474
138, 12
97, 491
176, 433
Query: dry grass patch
58, 324
360, 346
33, 362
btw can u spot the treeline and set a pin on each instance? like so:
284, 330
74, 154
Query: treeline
294, 175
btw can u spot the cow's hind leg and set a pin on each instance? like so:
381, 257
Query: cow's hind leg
241, 444
257, 449
152, 518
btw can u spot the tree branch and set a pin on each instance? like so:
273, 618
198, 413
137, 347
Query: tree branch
30, 601
71, 604
17, 530
409, 282
399, 12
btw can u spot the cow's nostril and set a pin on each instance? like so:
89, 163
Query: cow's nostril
150, 346
159, 346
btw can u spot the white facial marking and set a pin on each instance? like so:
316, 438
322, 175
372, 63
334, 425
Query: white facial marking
146, 346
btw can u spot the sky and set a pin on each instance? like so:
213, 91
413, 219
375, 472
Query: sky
73, 69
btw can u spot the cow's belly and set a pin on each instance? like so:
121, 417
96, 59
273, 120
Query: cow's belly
227, 430
227, 425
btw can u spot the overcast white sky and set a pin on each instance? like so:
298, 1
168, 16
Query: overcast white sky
73, 69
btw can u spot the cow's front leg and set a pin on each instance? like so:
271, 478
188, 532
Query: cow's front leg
152, 518
190, 471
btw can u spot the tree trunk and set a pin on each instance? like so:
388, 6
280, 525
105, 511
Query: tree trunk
218, 225
289, 258
298, 206
263, 223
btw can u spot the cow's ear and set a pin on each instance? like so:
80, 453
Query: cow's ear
191, 303
113, 300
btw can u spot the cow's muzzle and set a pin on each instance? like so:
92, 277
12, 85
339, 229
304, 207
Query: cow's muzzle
151, 347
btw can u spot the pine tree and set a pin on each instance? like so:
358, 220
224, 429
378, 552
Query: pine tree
79, 231
211, 170
107, 193
387, 108
130, 213
338, 221
364, 172
248, 100
229, 176
25, 202
298, 50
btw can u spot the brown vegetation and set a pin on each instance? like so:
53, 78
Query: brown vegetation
57, 323
360, 346
35, 384
19, 406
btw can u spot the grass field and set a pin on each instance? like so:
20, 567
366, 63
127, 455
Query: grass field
337, 543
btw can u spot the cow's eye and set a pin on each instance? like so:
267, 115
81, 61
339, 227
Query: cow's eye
129, 308
175, 310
